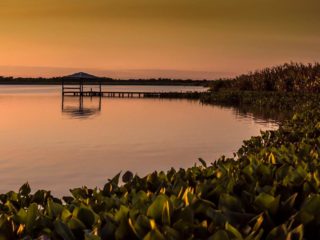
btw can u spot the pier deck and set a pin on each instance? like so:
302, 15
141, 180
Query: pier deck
117, 94
77, 89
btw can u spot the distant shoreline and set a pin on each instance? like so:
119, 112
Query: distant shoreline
104, 81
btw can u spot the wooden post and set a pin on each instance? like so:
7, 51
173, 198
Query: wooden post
80, 102
81, 87
62, 103
62, 86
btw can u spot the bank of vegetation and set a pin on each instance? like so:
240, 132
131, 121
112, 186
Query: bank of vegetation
289, 77
279, 89
270, 189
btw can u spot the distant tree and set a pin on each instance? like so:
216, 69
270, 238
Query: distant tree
289, 77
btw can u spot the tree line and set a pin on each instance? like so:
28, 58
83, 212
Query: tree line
289, 77
104, 80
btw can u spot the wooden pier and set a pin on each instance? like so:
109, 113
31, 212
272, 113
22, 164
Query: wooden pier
113, 94
78, 89
73, 85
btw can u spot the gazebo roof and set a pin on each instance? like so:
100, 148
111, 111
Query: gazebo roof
81, 75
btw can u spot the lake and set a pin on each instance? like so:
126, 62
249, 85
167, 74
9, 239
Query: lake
51, 143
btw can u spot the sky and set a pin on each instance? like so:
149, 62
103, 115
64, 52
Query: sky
198, 39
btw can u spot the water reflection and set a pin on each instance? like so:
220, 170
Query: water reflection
75, 106
260, 115
58, 150
263, 115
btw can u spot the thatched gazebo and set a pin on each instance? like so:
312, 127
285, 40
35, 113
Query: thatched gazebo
80, 79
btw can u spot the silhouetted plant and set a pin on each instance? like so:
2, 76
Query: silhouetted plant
289, 77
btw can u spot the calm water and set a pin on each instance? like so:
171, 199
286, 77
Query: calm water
51, 143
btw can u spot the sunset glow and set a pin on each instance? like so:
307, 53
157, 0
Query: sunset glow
187, 39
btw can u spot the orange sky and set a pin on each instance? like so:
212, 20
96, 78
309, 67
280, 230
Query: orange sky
159, 38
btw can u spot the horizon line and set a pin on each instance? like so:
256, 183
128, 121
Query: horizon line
17, 71
124, 74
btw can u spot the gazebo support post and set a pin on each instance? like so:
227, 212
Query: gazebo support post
62, 86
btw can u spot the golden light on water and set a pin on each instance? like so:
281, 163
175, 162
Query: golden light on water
53, 150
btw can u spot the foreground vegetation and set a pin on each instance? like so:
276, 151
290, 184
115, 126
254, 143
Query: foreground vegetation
269, 190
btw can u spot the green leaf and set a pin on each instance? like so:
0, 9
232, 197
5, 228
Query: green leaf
68, 199
312, 204
154, 235
40, 196
234, 231
219, 235
79, 193
22, 216
25, 189
115, 179
289, 203
279, 232
108, 230
32, 214
65, 214
122, 230
89, 236
296, 233
122, 214
75, 224
171, 233
127, 177
140, 226
272, 159
203, 162
54, 209
85, 215
309, 209
156, 208
166, 213
63, 231
229, 203
139, 199
267, 202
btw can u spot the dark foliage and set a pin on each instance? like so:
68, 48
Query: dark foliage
289, 77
